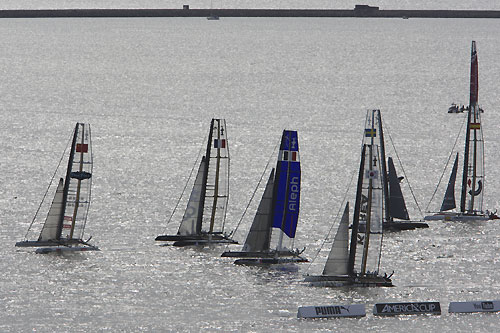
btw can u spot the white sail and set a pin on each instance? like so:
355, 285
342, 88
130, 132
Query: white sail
191, 218
50, 228
338, 259
260, 232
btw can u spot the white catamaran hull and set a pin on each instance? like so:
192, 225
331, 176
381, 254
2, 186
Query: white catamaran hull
457, 217
348, 281
60, 249
269, 261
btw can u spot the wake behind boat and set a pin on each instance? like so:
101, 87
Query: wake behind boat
278, 212
207, 203
472, 189
64, 225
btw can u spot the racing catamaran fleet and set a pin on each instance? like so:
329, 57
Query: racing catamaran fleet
355, 255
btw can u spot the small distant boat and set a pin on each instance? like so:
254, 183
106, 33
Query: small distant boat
207, 203
278, 212
405, 17
472, 190
212, 16
346, 267
65, 223
456, 109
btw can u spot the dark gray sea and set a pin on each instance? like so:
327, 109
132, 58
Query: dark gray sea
149, 87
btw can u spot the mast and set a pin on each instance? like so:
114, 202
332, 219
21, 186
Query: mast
369, 203
385, 181
78, 186
286, 192
204, 182
66, 182
466, 165
355, 221
472, 114
283, 219
217, 170
474, 109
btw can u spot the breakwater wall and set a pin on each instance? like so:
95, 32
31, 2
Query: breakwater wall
186, 12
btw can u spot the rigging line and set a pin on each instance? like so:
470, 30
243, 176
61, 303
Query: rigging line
254, 192
185, 186
403, 169
48, 187
447, 162
334, 222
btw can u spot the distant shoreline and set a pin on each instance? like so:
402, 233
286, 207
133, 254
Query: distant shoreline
359, 11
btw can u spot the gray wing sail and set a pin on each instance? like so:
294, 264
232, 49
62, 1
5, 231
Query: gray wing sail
258, 238
50, 227
449, 197
191, 220
338, 259
397, 204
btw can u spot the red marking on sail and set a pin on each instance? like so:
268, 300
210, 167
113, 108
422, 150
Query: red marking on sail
82, 148
66, 226
474, 82
294, 155
68, 218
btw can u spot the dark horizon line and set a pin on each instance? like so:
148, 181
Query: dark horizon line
359, 11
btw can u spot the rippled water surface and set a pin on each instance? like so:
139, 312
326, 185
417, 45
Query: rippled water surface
149, 87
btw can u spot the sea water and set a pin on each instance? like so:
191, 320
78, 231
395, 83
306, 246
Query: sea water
149, 87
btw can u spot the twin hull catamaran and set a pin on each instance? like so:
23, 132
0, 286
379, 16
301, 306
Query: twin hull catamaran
472, 190
207, 203
346, 266
65, 223
278, 212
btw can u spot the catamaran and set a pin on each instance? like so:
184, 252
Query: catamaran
278, 212
472, 190
396, 213
345, 265
67, 216
207, 203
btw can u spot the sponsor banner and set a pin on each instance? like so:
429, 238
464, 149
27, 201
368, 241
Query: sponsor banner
331, 311
474, 306
394, 309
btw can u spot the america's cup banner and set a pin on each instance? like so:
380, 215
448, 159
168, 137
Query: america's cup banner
394, 309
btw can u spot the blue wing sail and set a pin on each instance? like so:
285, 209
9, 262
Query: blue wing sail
287, 192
